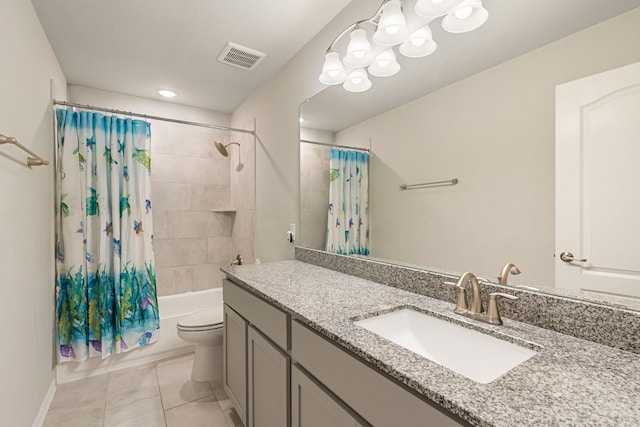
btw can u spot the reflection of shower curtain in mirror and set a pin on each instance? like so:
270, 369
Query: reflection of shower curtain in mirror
106, 284
348, 218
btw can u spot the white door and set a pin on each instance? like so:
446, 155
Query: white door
598, 183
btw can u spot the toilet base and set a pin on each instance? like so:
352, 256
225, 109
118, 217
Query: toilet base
207, 363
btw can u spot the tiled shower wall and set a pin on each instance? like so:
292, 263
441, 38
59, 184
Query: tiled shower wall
314, 194
242, 169
190, 178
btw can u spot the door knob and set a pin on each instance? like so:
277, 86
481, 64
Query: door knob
568, 257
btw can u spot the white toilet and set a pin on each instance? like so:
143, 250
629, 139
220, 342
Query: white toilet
204, 329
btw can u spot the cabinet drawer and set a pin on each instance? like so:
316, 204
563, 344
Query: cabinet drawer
272, 321
367, 391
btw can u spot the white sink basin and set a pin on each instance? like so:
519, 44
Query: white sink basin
475, 355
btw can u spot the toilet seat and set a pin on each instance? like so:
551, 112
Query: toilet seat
203, 320
200, 329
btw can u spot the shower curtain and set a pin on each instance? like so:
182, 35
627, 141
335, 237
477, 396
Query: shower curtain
105, 278
348, 218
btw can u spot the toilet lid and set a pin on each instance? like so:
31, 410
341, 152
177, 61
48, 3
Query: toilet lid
202, 318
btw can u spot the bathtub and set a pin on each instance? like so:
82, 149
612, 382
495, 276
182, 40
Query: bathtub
172, 307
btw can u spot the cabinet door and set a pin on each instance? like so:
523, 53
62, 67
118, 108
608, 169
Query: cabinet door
311, 406
268, 373
235, 360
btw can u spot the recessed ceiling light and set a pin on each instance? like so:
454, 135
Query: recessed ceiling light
167, 93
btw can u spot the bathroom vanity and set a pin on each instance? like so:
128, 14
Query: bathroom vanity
295, 357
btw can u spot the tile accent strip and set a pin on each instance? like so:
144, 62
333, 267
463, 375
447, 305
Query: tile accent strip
614, 327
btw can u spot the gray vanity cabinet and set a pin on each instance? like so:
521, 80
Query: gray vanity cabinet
256, 366
235, 360
312, 406
281, 373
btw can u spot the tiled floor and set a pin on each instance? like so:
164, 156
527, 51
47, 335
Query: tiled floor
160, 394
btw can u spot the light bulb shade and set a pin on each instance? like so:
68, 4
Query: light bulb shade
333, 72
420, 44
359, 52
357, 81
392, 26
385, 64
467, 16
435, 8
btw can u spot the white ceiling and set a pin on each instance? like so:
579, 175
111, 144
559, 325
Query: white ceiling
514, 27
136, 47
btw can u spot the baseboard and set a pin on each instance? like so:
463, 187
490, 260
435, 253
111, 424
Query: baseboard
46, 402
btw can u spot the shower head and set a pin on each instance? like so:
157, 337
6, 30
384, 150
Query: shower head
223, 148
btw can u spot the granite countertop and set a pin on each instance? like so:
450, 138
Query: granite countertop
570, 382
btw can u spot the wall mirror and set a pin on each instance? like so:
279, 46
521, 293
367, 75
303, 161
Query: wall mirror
493, 128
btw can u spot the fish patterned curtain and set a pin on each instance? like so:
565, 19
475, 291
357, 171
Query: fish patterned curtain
348, 218
105, 270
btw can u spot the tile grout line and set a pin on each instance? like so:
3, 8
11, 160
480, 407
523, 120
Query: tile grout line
164, 412
106, 396
229, 421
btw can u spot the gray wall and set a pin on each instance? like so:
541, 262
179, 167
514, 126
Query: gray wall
26, 215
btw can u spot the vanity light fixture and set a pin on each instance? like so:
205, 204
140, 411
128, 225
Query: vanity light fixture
167, 93
333, 72
392, 25
357, 81
467, 17
359, 52
414, 40
419, 44
385, 64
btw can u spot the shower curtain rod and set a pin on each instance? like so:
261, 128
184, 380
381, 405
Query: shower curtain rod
145, 116
335, 145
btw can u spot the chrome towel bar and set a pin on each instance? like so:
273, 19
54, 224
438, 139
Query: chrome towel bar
453, 181
31, 161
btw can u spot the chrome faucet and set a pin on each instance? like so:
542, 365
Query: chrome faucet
474, 310
237, 261
504, 274
476, 299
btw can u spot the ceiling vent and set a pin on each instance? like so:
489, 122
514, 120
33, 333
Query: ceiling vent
240, 56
